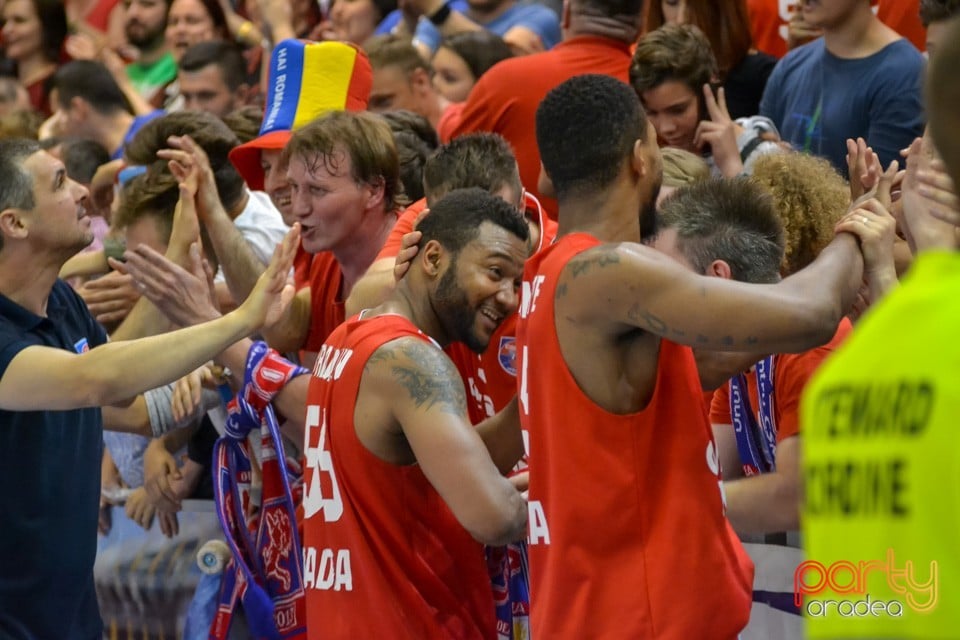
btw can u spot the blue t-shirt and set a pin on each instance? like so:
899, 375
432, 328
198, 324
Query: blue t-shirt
818, 100
535, 17
50, 478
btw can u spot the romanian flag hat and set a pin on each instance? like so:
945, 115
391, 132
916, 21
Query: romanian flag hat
306, 80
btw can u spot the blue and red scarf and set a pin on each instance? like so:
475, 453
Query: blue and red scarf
265, 572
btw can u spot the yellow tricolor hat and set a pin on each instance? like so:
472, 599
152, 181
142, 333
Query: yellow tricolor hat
306, 80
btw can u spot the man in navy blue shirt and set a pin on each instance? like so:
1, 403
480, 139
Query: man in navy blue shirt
56, 370
860, 80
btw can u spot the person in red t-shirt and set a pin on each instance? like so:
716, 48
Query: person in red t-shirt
621, 455
597, 39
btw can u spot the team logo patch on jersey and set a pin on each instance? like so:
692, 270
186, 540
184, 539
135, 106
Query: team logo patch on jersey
507, 355
81, 345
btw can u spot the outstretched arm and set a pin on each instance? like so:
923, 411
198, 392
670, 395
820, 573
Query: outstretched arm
54, 379
630, 285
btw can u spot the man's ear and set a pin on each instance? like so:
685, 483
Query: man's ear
376, 193
242, 95
12, 224
420, 81
79, 108
638, 160
720, 269
432, 256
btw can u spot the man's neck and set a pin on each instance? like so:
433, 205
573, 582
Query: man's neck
365, 243
859, 36
113, 129
34, 68
415, 307
150, 57
601, 27
24, 283
610, 216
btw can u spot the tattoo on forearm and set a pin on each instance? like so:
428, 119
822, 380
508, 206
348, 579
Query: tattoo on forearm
642, 317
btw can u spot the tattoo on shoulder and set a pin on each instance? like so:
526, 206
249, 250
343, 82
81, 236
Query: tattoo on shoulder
429, 377
593, 259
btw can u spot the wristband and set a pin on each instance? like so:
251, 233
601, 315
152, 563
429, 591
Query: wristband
438, 17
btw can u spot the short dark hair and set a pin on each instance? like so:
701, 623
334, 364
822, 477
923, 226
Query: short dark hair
480, 50
483, 160
586, 130
730, 220
208, 131
454, 221
938, 10
91, 81
82, 158
225, 55
678, 52
149, 195
367, 140
416, 140
16, 183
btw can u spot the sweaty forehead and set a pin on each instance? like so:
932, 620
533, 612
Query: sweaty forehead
493, 241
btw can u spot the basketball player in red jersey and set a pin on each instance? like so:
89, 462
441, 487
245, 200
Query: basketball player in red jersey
399, 487
627, 532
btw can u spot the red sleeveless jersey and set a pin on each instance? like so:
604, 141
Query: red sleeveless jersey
384, 557
627, 537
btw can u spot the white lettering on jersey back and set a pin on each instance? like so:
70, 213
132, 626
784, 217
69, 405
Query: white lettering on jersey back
539, 530
529, 294
713, 463
319, 461
326, 569
331, 362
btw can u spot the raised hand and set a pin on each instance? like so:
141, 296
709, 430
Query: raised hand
190, 165
863, 166
876, 229
273, 292
926, 219
110, 297
186, 297
409, 248
720, 133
